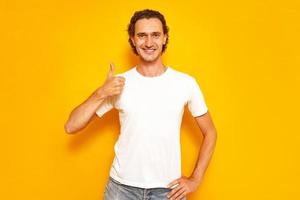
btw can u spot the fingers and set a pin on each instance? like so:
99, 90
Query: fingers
120, 78
175, 190
117, 84
116, 81
173, 183
113, 84
111, 70
178, 194
117, 90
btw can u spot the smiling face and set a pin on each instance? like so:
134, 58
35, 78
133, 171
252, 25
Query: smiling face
149, 39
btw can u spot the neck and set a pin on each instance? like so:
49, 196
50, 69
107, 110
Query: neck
151, 69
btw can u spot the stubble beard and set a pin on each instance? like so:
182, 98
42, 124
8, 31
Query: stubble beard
147, 59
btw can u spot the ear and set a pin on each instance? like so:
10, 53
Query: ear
132, 40
165, 39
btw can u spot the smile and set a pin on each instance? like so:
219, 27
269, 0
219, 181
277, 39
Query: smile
149, 51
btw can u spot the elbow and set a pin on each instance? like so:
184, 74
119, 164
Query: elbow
214, 134
69, 129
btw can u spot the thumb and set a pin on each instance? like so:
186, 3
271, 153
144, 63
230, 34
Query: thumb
111, 70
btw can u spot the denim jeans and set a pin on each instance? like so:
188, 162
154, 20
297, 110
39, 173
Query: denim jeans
114, 190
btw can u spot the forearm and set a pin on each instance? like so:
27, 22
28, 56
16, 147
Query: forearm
204, 156
82, 114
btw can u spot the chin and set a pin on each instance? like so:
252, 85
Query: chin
149, 59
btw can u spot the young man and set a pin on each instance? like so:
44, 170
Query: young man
150, 99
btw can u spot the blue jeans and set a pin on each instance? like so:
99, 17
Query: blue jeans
114, 190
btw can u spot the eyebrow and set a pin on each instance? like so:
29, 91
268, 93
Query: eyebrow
144, 33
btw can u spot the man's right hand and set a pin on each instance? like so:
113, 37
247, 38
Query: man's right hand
113, 85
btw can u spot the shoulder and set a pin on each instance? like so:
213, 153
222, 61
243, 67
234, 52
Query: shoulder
127, 73
186, 80
182, 76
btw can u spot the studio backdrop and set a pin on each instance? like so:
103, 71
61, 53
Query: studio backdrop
244, 55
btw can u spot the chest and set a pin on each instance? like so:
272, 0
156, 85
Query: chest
166, 98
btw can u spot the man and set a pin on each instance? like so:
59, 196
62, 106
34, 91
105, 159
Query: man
150, 99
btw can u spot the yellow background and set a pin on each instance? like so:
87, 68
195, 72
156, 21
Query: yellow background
244, 54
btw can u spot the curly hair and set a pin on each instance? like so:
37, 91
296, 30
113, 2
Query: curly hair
147, 13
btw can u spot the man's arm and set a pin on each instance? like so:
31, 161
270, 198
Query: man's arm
184, 185
83, 113
209, 132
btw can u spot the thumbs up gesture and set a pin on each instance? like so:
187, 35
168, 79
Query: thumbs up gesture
113, 85
111, 70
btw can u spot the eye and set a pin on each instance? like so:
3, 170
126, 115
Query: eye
141, 36
156, 35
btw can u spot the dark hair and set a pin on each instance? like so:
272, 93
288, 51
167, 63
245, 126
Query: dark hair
147, 13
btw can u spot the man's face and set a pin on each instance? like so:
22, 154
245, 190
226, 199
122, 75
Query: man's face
149, 39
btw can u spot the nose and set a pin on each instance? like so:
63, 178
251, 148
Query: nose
148, 42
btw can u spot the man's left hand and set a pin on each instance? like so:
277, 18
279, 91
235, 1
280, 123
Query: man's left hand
185, 186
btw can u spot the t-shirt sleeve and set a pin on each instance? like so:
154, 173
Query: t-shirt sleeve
196, 101
105, 106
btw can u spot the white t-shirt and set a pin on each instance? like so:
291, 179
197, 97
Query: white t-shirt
147, 152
